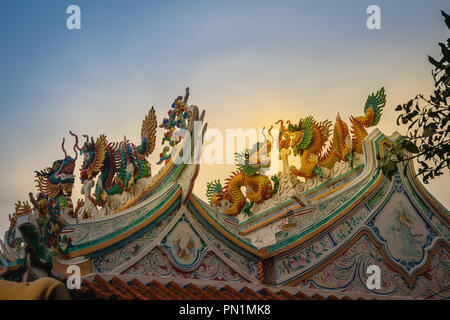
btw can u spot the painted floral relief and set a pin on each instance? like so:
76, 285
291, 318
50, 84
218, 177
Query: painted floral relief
403, 230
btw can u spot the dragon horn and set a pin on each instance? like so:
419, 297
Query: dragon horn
87, 137
262, 132
282, 129
271, 127
186, 95
75, 146
62, 146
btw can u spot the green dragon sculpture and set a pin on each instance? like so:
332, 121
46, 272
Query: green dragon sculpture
119, 165
249, 164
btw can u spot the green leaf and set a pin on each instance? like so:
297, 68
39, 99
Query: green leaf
435, 63
429, 131
411, 147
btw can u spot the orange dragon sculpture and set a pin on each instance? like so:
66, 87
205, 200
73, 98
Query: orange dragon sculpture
249, 164
306, 139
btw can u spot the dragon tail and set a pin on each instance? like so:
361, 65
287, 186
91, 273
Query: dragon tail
232, 192
372, 114
214, 192
338, 149
148, 134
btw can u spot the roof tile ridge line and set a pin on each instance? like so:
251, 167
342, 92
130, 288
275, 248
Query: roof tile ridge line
287, 295
160, 287
253, 293
105, 284
222, 230
219, 294
132, 291
224, 259
123, 267
235, 292
150, 291
172, 285
254, 286
98, 291
269, 294
196, 290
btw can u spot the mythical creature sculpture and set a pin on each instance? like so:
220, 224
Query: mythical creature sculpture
259, 187
119, 165
308, 138
54, 200
55, 184
175, 125
21, 209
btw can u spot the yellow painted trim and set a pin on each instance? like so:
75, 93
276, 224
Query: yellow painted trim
222, 231
268, 221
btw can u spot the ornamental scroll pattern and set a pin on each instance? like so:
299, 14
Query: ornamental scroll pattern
248, 266
305, 257
156, 263
106, 263
348, 274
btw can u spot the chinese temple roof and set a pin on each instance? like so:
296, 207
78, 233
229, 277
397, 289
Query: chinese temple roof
286, 237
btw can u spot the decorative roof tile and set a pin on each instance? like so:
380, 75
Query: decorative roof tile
155, 290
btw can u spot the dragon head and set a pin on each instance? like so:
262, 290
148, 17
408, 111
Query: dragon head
57, 179
93, 153
300, 134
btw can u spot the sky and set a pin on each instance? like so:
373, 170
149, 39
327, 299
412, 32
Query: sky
248, 64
